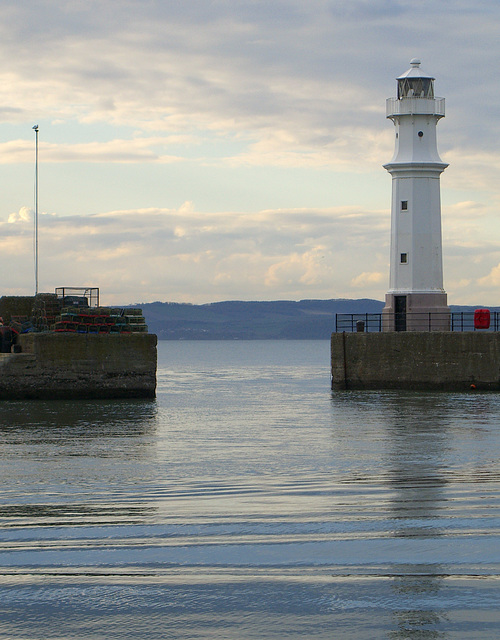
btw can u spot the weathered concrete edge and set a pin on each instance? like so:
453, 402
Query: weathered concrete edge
439, 360
55, 366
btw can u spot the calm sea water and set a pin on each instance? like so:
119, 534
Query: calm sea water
249, 501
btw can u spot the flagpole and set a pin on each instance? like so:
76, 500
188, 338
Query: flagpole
36, 208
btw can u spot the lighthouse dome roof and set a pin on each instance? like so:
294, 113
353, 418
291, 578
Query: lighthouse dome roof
415, 71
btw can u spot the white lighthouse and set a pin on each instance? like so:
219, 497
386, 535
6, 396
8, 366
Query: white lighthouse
416, 299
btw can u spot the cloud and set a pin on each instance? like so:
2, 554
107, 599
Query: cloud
189, 255
368, 278
474, 169
307, 268
284, 77
287, 80
113, 151
185, 254
492, 279
23, 215
468, 209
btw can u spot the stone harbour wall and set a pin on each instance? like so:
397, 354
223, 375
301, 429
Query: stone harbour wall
71, 365
437, 360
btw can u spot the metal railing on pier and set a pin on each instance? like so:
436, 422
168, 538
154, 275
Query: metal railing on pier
433, 321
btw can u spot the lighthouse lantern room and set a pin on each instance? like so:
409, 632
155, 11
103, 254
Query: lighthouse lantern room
416, 300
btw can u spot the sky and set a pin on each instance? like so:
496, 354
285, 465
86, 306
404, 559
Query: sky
206, 150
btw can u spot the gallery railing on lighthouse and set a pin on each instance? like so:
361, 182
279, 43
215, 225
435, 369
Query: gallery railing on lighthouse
415, 321
408, 106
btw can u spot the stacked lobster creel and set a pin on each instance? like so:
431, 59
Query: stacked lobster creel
21, 324
100, 320
46, 310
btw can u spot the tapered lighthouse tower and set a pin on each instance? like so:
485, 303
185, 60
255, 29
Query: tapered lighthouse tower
416, 299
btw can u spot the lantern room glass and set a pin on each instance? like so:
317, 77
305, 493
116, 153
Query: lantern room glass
415, 88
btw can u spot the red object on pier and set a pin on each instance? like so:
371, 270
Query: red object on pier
482, 319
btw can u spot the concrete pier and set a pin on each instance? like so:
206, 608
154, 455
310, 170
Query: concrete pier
64, 365
437, 360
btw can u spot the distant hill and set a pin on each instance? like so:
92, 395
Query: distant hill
283, 319
468, 308
236, 320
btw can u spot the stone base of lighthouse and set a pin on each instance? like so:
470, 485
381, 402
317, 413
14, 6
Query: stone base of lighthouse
424, 311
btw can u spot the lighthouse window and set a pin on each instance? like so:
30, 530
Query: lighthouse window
420, 134
416, 88
404, 205
404, 258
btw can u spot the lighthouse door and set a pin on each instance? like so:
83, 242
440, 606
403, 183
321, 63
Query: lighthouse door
400, 313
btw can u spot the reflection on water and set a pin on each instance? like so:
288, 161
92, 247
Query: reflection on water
62, 462
248, 501
84, 419
417, 455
